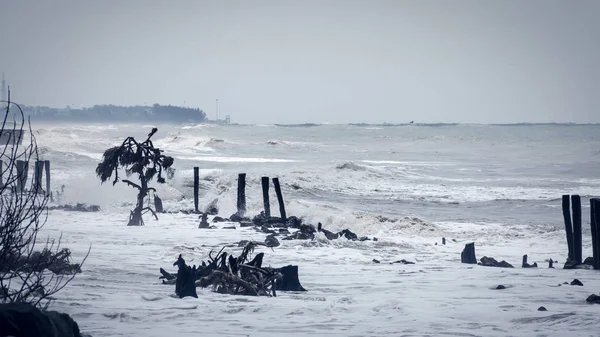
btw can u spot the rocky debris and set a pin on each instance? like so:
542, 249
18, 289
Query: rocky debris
542, 309
593, 298
227, 274
589, 261
500, 287
79, 207
271, 241
229, 227
468, 254
236, 217
443, 241
576, 282
220, 219
25, 320
574, 265
491, 262
204, 222
527, 265
376, 261
403, 261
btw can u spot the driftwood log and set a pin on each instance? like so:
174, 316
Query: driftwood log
227, 274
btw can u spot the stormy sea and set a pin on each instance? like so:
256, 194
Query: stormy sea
409, 186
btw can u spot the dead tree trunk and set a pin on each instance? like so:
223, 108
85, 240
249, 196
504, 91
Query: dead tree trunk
196, 187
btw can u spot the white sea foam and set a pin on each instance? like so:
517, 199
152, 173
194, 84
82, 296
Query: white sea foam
387, 183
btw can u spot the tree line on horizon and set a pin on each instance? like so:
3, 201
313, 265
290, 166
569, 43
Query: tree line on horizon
156, 112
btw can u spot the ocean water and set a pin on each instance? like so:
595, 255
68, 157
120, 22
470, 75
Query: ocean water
499, 186
512, 174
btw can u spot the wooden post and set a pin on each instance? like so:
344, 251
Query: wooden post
595, 224
468, 254
550, 263
524, 264
576, 204
48, 190
22, 170
241, 194
566, 208
443, 241
279, 198
265, 189
38, 173
158, 206
196, 186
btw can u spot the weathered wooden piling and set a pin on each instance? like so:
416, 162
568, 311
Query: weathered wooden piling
196, 187
22, 171
443, 241
468, 254
48, 190
38, 174
241, 194
595, 226
158, 205
576, 208
550, 263
279, 198
265, 189
566, 208
524, 263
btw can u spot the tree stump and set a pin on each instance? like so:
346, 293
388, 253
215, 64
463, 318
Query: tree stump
468, 254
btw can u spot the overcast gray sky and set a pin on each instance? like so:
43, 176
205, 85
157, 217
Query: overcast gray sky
312, 61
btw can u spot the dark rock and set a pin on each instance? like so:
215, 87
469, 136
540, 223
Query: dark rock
284, 231
348, 235
328, 234
24, 320
375, 239
246, 224
500, 287
290, 280
403, 261
565, 282
243, 243
262, 220
376, 261
219, 219
593, 298
570, 264
576, 282
271, 241
293, 222
443, 241
229, 227
542, 309
491, 262
266, 230
300, 236
589, 261
204, 223
363, 238
235, 217
79, 207
468, 254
